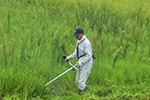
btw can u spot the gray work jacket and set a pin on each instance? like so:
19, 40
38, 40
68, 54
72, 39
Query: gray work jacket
84, 52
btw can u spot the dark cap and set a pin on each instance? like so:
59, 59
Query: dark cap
77, 32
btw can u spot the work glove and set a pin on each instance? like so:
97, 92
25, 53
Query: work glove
65, 58
78, 64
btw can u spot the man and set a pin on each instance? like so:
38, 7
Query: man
83, 52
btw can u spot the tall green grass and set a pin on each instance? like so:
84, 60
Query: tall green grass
35, 34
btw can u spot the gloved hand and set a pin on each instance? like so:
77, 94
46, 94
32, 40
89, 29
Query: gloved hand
78, 64
65, 58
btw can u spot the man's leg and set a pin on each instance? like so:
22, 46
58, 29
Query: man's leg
81, 78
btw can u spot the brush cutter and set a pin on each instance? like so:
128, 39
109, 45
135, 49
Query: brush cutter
72, 67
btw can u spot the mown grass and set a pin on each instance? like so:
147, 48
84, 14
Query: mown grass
34, 35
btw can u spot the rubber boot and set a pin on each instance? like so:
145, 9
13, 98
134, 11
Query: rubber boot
81, 91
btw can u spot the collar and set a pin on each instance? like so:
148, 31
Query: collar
83, 38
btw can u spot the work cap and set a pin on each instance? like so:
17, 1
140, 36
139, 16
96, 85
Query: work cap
77, 32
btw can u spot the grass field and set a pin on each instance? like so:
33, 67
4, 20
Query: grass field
35, 34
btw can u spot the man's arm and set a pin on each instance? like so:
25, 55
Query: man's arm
72, 55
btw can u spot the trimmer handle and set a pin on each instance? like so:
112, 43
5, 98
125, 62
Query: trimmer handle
64, 57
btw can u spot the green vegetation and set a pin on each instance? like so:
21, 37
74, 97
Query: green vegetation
35, 34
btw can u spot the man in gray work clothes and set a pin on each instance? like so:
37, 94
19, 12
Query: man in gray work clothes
83, 52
